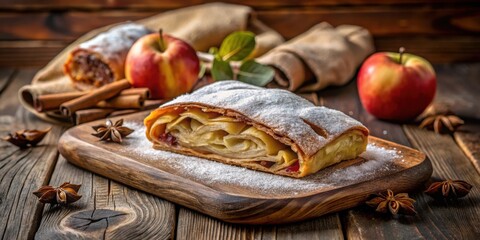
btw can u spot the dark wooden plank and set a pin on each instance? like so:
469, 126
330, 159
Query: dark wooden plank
6, 75
469, 141
457, 89
191, 223
8, 98
60, 25
460, 219
381, 21
107, 210
149, 4
395, 21
29, 53
194, 224
22, 171
442, 49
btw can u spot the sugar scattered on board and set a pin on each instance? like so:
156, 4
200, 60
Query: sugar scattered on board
215, 174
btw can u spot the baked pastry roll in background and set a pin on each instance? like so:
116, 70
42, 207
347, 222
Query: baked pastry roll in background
101, 60
270, 130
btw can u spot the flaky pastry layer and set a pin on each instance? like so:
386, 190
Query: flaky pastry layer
229, 136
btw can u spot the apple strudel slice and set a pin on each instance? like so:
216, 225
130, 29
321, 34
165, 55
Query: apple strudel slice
270, 130
101, 60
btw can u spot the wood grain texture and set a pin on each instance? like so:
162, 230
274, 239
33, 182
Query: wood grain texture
149, 4
107, 210
441, 49
6, 75
22, 171
458, 89
29, 53
234, 203
448, 162
469, 142
65, 26
194, 225
380, 21
395, 21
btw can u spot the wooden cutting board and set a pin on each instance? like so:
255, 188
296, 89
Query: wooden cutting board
239, 195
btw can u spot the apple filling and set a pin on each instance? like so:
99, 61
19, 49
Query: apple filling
218, 137
89, 69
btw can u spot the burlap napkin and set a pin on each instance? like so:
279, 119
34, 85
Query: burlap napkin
202, 26
320, 57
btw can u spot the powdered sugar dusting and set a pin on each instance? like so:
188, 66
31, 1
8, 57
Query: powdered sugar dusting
284, 112
116, 41
221, 176
378, 159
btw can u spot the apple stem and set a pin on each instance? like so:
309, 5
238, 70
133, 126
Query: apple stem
401, 51
161, 42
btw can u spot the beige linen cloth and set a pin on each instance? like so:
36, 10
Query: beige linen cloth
329, 54
320, 57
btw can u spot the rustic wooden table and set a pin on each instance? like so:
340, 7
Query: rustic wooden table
112, 210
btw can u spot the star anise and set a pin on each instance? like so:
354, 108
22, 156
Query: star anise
65, 194
442, 122
111, 132
450, 189
388, 202
26, 138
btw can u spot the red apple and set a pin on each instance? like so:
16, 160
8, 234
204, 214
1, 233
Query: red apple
166, 65
396, 86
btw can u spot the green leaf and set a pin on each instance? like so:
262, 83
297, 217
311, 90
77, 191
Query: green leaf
255, 73
221, 70
237, 46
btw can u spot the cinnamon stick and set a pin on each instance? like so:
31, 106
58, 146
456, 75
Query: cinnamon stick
88, 115
122, 112
53, 101
143, 92
92, 98
122, 102
56, 114
152, 104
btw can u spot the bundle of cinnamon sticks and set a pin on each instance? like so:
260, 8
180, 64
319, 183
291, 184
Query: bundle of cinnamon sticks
113, 99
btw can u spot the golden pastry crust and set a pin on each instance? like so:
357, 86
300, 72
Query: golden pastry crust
294, 122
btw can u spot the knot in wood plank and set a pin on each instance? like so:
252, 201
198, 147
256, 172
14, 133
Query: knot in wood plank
97, 220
